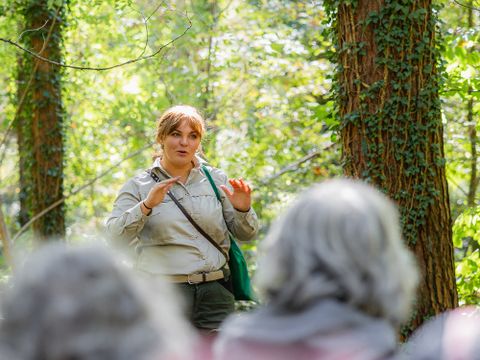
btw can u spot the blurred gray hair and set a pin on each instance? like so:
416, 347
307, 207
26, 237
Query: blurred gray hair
75, 303
341, 239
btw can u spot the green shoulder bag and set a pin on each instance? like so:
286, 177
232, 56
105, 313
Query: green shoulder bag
242, 288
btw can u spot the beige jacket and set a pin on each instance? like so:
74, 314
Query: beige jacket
167, 242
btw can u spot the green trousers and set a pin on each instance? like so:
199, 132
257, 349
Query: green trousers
207, 304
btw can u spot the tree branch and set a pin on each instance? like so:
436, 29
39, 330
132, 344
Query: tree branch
451, 180
293, 166
31, 30
457, 90
466, 6
145, 22
139, 58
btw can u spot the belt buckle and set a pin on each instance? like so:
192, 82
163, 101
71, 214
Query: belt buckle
190, 282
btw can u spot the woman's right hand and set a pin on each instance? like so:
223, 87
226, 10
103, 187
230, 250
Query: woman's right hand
157, 194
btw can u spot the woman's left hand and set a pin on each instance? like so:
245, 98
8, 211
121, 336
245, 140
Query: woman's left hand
241, 195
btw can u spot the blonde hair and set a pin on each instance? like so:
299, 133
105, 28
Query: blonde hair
173, 117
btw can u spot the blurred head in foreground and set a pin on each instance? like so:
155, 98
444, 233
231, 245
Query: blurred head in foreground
340, 240
76, 303
335, 268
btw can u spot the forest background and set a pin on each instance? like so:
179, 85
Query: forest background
262, 74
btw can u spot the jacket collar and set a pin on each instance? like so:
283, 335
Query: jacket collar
158, 168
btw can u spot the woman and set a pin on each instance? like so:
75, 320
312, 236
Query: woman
337, 280
168, 243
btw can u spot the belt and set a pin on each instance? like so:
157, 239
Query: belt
197, 278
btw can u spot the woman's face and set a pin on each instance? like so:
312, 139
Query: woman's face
179, 146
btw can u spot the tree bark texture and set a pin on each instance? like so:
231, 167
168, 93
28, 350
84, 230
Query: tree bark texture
5, 238
392, 133
472, 134
24, 101
472, 131
40, 120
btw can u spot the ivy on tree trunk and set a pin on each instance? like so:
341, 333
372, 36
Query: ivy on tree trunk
39, 123
390, 124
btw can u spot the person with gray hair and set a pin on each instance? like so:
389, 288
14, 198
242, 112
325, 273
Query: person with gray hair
336, 277
76, 303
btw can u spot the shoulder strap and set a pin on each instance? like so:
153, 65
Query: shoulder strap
210, 179
215, 189
193, 222
189, 218
153, 175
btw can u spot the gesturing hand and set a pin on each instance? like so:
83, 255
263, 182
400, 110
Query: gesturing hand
158, 191
241, 195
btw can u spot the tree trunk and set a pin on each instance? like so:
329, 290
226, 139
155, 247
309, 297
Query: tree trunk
392, 133
40, 120
472, 131
5, 238
24, 141
472, 134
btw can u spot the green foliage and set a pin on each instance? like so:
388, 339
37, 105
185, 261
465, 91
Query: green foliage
257, 74
461, 106
260, 73
462, 85
467, 253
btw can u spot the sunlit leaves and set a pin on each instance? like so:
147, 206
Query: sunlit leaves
466, 238
256, 72
461, 106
